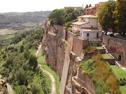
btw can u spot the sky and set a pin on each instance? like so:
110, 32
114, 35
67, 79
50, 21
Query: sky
40, 5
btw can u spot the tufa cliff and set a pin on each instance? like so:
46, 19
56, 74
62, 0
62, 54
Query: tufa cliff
62, 49
53, 45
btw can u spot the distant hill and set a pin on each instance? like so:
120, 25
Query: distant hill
15, 18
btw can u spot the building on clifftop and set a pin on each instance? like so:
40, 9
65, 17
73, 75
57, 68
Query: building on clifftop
87, 28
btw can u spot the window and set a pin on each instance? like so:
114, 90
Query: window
97, 35
87, 34
119, 58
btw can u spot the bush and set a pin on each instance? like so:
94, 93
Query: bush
101, 74
33, 63
21, 77
122, 82
101, 87
35, 89
23, 90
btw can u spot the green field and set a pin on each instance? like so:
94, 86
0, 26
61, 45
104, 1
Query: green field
7, 31
107, 56
123, 89
7, 34
118, 72
5, 37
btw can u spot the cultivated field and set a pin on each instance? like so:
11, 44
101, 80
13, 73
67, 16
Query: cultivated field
7, 31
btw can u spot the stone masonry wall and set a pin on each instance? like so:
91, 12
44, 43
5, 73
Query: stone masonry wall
77, 44
117, 47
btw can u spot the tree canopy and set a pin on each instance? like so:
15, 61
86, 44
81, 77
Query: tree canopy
120, 15
105, 15
57, 17
112, 16
62, 16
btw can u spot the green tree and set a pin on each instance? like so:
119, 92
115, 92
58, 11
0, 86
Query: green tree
33, 62
23, 90
71, 14
57, 17
21, 77
35, 89
105, 15
101, 87
120, 15
62, 16
21, 48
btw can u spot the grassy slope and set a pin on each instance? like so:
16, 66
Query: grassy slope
41, 60
119, 73
36, 78
123, 89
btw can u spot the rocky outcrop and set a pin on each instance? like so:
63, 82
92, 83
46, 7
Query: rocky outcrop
53, 45
77, 81
63, 53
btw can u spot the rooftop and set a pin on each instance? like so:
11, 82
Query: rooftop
107, 56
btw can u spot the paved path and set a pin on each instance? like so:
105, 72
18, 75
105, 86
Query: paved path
53, 91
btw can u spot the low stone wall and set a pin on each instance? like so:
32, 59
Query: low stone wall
117, 47
77, 44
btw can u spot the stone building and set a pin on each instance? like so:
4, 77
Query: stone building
87, 28
92, 10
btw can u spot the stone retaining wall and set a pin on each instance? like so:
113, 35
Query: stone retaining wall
117, 47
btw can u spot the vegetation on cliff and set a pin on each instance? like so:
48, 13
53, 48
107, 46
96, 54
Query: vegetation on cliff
101, 74
20, 68
64, 16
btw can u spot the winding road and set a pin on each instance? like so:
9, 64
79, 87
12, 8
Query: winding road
53, 90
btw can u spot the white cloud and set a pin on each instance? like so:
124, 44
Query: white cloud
37, 5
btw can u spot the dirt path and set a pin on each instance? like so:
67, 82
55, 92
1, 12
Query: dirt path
8, 86
53, 90
9, 89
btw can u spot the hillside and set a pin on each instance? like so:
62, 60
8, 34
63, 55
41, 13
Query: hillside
19, 66
14, 19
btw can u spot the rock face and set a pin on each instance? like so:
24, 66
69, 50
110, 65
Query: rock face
53, 45
77, 81
117, 47
58, 55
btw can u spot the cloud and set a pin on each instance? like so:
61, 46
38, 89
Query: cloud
37, 5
